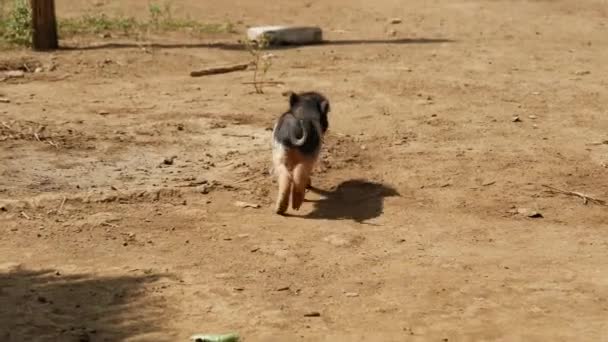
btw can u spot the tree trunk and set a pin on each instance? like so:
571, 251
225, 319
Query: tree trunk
44, 25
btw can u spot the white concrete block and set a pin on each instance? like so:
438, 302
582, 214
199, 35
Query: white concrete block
280, 35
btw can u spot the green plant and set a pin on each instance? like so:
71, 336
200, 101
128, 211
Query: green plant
161, 17
97, 23
16, 28
261, 62
155, 14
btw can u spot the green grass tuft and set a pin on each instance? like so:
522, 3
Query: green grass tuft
15, 23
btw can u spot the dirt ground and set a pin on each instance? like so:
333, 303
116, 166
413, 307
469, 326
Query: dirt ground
427, 228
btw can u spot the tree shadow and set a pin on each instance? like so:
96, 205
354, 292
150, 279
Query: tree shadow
357, 200
47, 306
240, 47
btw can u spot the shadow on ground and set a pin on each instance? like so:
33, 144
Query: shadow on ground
239, 46
47, 306
356, 200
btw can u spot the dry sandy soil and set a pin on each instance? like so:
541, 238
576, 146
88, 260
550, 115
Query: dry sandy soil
422, 230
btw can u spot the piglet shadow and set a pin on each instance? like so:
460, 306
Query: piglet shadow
357, 200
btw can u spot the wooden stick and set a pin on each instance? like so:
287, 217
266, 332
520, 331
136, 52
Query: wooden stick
265, 82
585, 198
193, 184
603, 142
246, 179
219, 70
62, 204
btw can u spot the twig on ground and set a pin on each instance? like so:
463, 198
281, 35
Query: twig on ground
62, 204
586, 199
603, 142
219, 70
237, 135
25, 216
246, 179
193, 184
265, 82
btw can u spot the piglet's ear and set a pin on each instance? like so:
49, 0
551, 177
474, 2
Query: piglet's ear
324, 106
293, 99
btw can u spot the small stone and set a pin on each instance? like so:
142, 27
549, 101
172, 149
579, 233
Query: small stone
392, 32
351, 294
529, 213
170, 160
4, 100
396, 21
277, 35
284, 288
103, 112
516, 119
42, 299
38, 70
582, 72
533, 117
